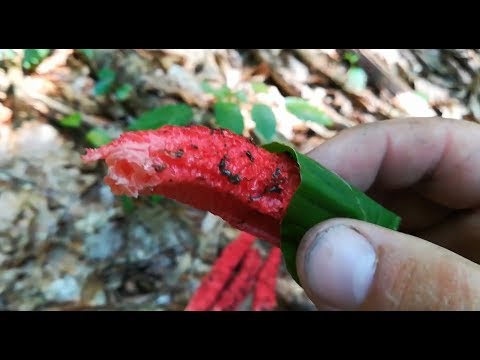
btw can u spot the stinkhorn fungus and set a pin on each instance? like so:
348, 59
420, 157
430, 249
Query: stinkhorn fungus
264, 297
240, 286
271, 192
239, 271
222, 271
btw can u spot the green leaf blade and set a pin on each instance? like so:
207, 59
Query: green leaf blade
229, 116
357, 79
174, 114
241, 96
33, 57
123, 92
155, 199
7, 54
72, 121
306, 111
323, 195
87, 52
98, 137
221, 94
351, 57
259, 87
106, 78
128, 204
265, 122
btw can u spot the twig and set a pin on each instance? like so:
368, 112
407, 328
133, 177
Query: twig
278, 72
378, 74
66, 110
368, 101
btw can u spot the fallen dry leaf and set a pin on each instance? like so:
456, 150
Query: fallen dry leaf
5, 114
180, 82
58, 59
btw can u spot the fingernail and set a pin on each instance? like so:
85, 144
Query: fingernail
339, 267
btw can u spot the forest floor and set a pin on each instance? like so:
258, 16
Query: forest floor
67, 243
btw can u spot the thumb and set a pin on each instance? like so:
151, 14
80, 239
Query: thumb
347, 264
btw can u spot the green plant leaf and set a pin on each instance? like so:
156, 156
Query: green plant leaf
155, 199
106, 78
259, 87
224, 93
306, 111
265, 122
7, 54
241, 96
128, 204
351, 57
221, 94
33, 57
72, 121
323, 195
356, 79
87, 52
98, 137
123, 92
228, 116
175, 114
206, 87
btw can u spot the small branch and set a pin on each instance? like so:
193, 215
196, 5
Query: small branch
379, 74
367, 100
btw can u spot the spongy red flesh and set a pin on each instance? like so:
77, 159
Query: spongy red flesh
212, 170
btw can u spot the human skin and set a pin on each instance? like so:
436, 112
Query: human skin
427, 170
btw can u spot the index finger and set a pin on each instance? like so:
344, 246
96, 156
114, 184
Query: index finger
438, 157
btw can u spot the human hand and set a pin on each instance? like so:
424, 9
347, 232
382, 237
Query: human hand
428, 172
